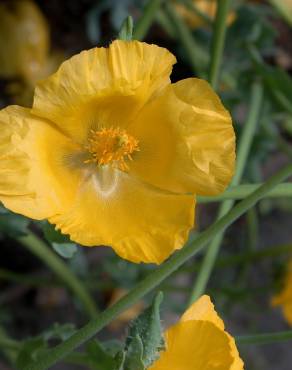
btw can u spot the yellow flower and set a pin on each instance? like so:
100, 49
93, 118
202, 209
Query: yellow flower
113, 153
24, 48
199, 342
207, 7
284, 298
24, 39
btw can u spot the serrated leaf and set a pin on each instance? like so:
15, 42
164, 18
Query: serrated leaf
65, 250
147, 326
134, 355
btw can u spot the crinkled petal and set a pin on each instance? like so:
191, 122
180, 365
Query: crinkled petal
124, 76
195, 345
141, 223
187, 142
34, 180
203, 309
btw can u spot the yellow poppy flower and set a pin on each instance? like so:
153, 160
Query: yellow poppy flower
207, 7
199, 342
24, 39
284, 298
113, 153
24, 48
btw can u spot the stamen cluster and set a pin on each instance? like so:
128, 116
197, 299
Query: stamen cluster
111, 146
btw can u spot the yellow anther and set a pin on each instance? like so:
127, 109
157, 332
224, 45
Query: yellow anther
111, 146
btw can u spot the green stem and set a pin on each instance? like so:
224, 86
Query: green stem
143, 24
36, 246
242, 155
165, 23
198, 58
8, 346
250, 256
255, 255
26, 280
218, 40
155, 278
265, 338
242, 191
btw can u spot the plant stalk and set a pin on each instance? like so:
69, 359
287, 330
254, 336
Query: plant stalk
243, 151
37, 247
82, 335
218, 40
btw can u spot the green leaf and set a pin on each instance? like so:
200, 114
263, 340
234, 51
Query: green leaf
279, 85
52, 235
120, 360
147, 327
100, 359
66, 250
61, 243
58, 331
12, 224
134, 355
126, 32
29, 351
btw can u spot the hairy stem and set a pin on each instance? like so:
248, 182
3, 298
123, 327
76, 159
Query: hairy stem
82, 335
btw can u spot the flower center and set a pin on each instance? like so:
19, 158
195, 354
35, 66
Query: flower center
111, 146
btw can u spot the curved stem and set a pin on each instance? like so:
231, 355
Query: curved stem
266, 338
217, 46
57, 353
36, 246
243, 151
242, 191
196, 55
149, 13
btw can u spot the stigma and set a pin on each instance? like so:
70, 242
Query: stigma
111, 146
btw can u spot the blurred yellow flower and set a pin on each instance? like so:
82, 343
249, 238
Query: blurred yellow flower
24, 48
199, 342
126, 316
113, 153
207, 7
284, 298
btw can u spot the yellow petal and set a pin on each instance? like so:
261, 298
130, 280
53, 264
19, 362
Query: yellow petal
24, 40
34, 180
124, 76
186, 139
140, 223
207, 7
203, 309
195, 345
284, 297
